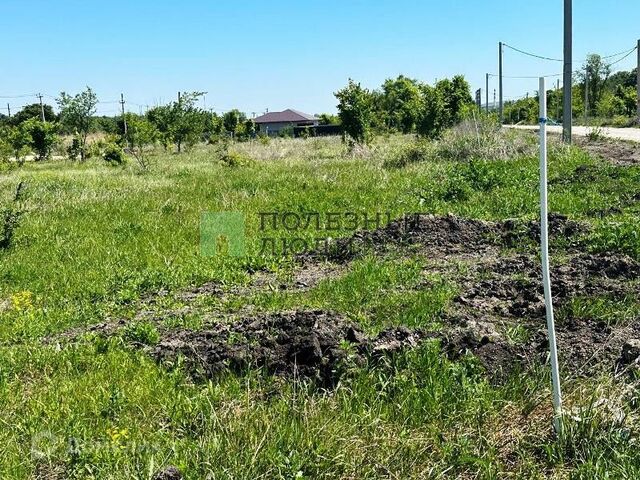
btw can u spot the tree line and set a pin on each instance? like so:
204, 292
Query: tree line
176, 126
609, 95
403, 105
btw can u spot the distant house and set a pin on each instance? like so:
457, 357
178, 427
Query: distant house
273, 122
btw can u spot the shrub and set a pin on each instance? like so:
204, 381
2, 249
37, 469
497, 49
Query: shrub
355, 109
456, 189
414, 152
113, 154
235, 159
20, 141
43, 137
74, 149
95, 149
141, 137
484, 139
594, 134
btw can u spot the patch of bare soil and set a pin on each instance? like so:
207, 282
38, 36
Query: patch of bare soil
444, 235
310, 344
499, 315
618, 152
509, 296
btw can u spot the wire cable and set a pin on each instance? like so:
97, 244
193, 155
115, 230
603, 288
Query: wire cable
532, 54
620, 59
526, 76
19, 96
619, 53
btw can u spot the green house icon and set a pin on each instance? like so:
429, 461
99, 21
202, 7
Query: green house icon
222, 233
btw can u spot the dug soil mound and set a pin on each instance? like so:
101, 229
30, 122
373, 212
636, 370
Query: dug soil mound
500, 316
311, 344
444, 235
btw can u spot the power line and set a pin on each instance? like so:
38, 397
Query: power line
532, 54
19, 96
619, 53
525, 76
620, 59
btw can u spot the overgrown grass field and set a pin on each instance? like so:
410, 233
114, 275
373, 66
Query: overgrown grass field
94, 239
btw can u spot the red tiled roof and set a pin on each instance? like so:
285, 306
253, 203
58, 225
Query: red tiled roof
288, 115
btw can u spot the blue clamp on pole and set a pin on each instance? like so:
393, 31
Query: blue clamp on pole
542, 120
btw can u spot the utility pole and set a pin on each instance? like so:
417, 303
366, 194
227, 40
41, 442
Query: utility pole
494, 99
567, 112
124, 118
557, 99
500, 107
41, 108
179, 97
9, 110
586, 95
486, 93
638, 81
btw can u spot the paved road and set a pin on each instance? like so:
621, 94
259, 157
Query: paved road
632, 134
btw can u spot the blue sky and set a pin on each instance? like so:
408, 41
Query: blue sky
255, 55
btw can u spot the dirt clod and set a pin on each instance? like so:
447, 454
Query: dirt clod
630, 351
169, 473
307, 344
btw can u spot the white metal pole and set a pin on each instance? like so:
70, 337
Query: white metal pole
544, 242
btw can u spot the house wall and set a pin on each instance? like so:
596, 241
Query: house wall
275, 127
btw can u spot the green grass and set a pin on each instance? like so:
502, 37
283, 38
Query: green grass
95, 238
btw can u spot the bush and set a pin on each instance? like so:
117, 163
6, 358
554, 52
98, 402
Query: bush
113, 154
43, 137
415, 152
141, 138
20, 141
235, 159
355, 109
484, 139
74, 149
95, 149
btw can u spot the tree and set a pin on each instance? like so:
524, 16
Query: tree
445, 105
355, 109
433, 119
250, 128
629, 99
594, 75
160, 118
33, 111
213, 127
232, 119
329, 119
402, 101
188, 121
42, 137
19, 140
76, 113
141, 135
609, 105
181, 122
